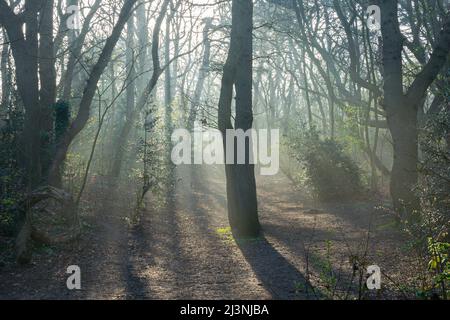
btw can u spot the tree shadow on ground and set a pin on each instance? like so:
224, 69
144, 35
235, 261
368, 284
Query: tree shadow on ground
274, 272
278, 276
169, 252
145, 245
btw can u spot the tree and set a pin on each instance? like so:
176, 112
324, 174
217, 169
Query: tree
36, 94
88, 95
138, 104
402, 103
5, 76
130, 99
237, 72
402, 107
202, 74
76, 46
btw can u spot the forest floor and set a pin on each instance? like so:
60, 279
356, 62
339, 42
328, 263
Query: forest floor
186, 251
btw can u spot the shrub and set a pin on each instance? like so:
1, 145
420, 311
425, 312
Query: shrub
439, 265
331, 174
429, 235
11, 177
434, 186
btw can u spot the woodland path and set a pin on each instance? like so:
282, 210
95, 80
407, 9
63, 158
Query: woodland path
187, 252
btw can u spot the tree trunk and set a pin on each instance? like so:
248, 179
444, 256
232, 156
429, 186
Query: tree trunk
403, 125
168, 94
241, 186
147, 89
307, 97
402, 109
122, 139
203, 73
47, 77
76, 46
26, 59
5, 76
402, 119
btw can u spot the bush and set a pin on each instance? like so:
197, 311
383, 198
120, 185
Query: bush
331, 174
439, 265
434, 186
429, 235
11, 177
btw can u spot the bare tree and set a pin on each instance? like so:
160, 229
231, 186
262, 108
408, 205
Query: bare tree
402, 106
237, 72
89, 92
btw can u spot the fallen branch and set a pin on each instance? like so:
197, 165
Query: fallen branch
29, 232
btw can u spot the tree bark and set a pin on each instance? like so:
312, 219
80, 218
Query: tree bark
26, 58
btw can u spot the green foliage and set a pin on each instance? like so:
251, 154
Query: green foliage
434, 187
152, 169
331, 174
62, 119
11, 176
226, 234
439, 265
429, 234
327, 275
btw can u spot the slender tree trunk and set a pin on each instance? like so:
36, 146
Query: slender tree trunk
5, 76
168, 94
122, 139
307, 97
76, 46
139, 86
203, 73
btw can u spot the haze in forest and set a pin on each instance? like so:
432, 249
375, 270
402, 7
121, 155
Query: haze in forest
345, 175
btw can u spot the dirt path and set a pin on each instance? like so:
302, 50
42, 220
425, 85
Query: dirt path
187, 252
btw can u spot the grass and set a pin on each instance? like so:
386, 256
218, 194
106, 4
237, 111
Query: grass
226, 234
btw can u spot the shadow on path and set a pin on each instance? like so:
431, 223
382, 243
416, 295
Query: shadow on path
278, 276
